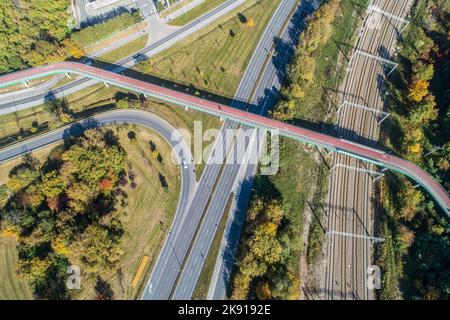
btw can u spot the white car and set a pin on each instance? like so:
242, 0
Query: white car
184, 163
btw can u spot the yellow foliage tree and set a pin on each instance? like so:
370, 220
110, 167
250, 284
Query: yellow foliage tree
59, 246
250, 22
418, 90
296, 92
415, 148
73, 49
409, 199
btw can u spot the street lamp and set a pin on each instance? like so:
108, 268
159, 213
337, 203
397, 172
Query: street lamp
435, 148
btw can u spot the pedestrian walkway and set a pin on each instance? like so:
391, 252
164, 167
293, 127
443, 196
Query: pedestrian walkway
182, 10
158, 30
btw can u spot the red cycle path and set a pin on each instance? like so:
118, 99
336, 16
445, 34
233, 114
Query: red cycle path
322, 140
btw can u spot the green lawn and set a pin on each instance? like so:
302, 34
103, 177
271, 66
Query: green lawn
195, 12
122, 52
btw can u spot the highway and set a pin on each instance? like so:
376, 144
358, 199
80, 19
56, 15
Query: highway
182, 99
351, 211
141, 118
226, 180
33, 98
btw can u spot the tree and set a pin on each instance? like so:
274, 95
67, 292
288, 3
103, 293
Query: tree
34, 127
418, 90
145, 66
122, 104
21, 177
53, 184
424, 112
34, 196
409, 201
106, 186
263, 291
297, 93
73, 49
98, 248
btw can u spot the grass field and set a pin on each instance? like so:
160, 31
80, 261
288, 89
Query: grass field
11, 287
122, 52
215, 58
116, 37
195, 12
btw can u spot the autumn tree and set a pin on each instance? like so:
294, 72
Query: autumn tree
99, 248
409, 200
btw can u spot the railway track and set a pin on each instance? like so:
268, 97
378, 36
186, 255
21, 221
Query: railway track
350, 206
